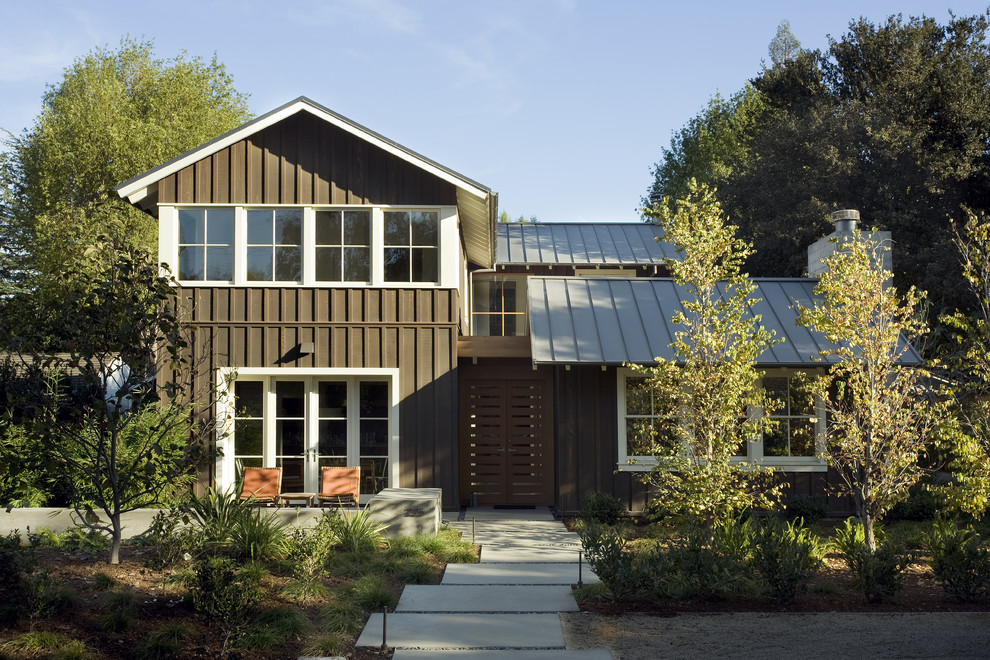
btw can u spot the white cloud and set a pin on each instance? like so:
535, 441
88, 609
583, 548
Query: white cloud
389, 14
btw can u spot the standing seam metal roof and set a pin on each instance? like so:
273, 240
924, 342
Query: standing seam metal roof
613, 321
581, 244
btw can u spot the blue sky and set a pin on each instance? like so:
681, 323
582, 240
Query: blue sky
561, 106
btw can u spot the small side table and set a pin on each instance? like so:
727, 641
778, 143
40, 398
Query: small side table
284, 499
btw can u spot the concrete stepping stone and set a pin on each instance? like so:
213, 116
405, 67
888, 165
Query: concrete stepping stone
505, 654
486, 598
461, 631
528, 554
517, 573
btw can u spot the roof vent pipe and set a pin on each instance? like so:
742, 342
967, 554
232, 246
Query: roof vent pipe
845, 220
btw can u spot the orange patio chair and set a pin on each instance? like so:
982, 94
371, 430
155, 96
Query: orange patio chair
340, 485
262, 485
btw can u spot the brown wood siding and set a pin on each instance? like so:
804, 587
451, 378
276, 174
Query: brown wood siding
304, 160
413, 330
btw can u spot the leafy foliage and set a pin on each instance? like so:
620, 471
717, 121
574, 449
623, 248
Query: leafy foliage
880, 414
809, 508
603, 508
960, 560
787, 555
605, 550
877, 573
713, 381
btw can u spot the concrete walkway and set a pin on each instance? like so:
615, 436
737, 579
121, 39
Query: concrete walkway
504, 607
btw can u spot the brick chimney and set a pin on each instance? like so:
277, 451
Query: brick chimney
845, 226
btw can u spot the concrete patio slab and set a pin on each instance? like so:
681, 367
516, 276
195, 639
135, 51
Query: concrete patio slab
487, 598
517, 573
461, 631
504, 654
529, 555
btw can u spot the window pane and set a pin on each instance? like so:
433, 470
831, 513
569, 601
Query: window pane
357, 264
288, 227
374, 437
328, 264
374, 399
511, 329
481, 298
639, 437
190, 226
191, 263
396, 228
333, 399
639, 397
396, 264
259, 227
775, 442
220, 227
289, 437
424, 227
333, 437
802, 400
292, 474
328, 227
288, 264
357, 227
374, 474
424, 266
248, 398
248, 436
777, 393
259, 264
220, 263
509, 295
802, 437
289, 398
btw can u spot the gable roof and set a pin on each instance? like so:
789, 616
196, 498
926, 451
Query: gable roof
613, 321
581, 244
477, 204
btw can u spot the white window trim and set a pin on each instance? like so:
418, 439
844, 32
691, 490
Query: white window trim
224, 410
447, 263
754, 449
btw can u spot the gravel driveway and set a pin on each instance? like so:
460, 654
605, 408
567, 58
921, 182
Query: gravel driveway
782, 635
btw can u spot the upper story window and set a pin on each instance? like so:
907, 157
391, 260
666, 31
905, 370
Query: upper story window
498, 306
274, 245
796, 430
311, 246
411, 246
206, 244
343, 246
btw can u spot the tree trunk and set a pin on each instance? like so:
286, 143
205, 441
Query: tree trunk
868, 536
115, 538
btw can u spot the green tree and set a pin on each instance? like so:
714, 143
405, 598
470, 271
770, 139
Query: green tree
713, 381
114, 113
709, 148
880, 411
785, 46
504, 217
110, 405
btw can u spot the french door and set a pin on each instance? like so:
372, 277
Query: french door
303, 423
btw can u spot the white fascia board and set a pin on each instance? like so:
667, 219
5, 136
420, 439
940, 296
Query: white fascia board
135, 189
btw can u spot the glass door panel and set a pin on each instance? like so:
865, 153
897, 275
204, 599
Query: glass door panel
290, 434
332, 441
374, 435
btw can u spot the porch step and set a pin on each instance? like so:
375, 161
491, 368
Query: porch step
503, 654
487, 598
517, 573
465, 631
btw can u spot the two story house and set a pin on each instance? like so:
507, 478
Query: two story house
356, 303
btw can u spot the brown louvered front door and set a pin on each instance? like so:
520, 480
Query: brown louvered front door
506, 441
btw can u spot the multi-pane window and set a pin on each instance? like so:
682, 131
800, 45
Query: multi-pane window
274, 245
649, 427
412, 240
499, 306
343, 246
794, 413
206, 244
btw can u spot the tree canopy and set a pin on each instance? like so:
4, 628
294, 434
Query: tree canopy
114, 114
892, 119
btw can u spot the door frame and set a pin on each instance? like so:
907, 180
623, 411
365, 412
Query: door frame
224, 466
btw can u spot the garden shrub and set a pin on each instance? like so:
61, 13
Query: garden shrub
605, 551
922, 504
787, 555
74, 539
171, 538
222, 594
877, 574
960, 561
17, 563
810, 508
710, 564
258, 535
602, 508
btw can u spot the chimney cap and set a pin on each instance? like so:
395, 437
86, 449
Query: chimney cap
845, 220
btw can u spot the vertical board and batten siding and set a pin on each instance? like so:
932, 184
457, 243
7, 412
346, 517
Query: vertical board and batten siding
413, 330
304, 160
